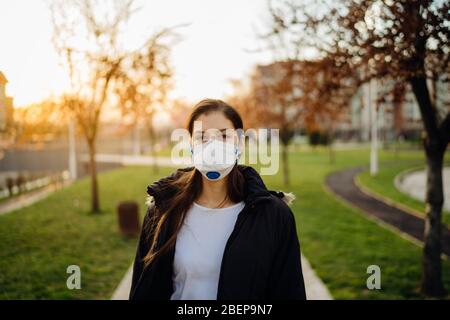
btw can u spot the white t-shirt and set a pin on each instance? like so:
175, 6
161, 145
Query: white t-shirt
199, 249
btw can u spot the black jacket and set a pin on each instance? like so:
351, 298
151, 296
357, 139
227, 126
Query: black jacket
261, 259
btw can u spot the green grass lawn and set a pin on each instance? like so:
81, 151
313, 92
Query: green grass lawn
383, 183
39, 242
340, 242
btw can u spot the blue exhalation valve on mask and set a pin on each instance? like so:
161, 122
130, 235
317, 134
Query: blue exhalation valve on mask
213, 175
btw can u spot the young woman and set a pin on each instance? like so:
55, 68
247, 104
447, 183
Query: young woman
214, 231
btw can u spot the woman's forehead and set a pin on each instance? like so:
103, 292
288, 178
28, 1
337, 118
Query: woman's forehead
213, 121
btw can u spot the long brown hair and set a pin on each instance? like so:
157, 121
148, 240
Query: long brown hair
189, 184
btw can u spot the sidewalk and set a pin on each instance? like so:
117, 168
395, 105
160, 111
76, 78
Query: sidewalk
29, 198
315, 289
123, 289
342, 183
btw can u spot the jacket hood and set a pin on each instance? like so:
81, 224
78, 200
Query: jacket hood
254, 190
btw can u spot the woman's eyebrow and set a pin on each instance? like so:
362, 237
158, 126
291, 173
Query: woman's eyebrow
221, 130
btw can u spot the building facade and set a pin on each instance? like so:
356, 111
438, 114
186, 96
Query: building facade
6, 105
395, 120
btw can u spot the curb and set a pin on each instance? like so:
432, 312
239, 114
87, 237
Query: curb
377, 221
386, 200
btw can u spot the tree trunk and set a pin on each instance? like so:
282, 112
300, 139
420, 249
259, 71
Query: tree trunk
285, 159
95, 203
434, 144
431, 283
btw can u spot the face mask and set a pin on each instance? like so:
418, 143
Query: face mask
215, 159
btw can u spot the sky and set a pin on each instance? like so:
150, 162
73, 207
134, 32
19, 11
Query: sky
214, 48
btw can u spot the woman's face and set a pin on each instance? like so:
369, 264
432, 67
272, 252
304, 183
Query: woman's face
213, 125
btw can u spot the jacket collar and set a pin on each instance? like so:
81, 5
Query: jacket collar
254, 189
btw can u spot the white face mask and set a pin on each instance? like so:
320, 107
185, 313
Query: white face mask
215, 159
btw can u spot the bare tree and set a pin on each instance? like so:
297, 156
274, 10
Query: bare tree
295, 94
406, 40
327, 94
87, 35
393, 96
277, 93
297, 90
143, 86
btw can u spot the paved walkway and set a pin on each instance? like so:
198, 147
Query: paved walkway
414, 184
26, 199
315, 289
342, 183
123, 289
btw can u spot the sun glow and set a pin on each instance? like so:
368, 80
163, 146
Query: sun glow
214, 49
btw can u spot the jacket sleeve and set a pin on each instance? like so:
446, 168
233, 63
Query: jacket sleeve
286, 281
142, 249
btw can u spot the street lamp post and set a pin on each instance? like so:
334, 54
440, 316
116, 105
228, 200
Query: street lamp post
372, 97
72, 151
